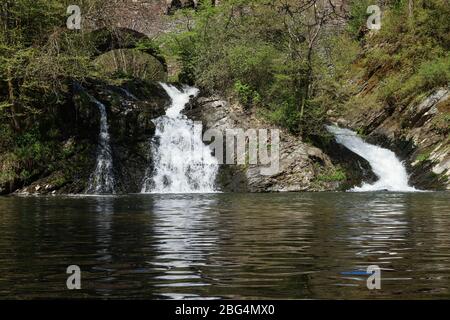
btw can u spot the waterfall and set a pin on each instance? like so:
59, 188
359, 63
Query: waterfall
182, 163
391, 173
102, 179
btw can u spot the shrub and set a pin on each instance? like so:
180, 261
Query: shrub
247, 96
358, 16
335, 175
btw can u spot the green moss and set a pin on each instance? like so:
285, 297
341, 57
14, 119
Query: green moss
59, 181
335, 175
423, 157
361, 132
131, 63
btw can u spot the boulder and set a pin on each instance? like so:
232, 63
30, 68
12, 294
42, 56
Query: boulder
300, 164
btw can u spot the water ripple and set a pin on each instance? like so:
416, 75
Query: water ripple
226, 245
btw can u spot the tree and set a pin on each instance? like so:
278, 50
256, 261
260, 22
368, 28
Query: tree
305, 21
270, 48
37, 56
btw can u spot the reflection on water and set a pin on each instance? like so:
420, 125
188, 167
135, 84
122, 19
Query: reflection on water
184, 236
226, 245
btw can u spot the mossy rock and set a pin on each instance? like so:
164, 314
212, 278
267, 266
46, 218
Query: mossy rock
131, 63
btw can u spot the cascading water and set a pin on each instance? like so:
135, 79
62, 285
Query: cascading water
182, 163
391, 173
102, 179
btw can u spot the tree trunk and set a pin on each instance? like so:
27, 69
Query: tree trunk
7, 25
410, 8
14, 111
308, 82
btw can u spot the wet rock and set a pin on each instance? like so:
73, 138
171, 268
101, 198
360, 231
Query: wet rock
131, 108
300, 164
417, 133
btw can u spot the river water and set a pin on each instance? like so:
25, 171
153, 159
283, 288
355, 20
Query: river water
278, 246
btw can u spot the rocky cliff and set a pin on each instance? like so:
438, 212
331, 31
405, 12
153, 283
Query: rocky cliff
418, 133
130, 107
302, 166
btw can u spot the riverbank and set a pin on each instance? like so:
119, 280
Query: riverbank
253, 70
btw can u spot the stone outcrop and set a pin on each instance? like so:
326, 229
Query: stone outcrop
301, 165
131, 108
417, 133
133, 63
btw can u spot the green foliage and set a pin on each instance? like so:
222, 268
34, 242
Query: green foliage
406, 59
28, 22
434, 73
151, 47
39, 60
31, 154
358, 16
335, 175
286, 115
429, 75
252, 64
8, 167
257, 52
247, 96
423, 157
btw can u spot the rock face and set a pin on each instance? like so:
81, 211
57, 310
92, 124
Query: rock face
300, 165
417, 133
133, 63
131, 108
